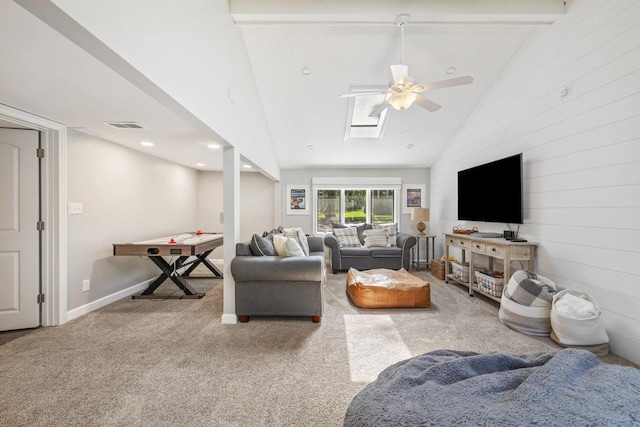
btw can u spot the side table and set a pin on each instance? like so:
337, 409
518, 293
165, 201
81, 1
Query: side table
415, 251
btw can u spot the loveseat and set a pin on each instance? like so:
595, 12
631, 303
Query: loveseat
272, 285
364, 258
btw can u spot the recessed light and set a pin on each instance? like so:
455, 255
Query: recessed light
409, 145
147, 143
306, 71
213, 145
247, 166
450, 70
200, 165
310, 147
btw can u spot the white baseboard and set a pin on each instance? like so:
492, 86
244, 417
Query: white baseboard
229, 319
94, 305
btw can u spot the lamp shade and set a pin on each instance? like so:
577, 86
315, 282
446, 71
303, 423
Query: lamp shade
403, 100
420, 214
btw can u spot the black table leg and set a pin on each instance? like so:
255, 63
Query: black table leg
202, 258
167, 272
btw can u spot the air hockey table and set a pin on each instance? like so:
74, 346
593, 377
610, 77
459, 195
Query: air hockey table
179, 249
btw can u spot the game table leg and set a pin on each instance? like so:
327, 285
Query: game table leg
167, 273
202, 258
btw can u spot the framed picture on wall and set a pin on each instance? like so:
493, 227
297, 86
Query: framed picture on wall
413, 196
297, 200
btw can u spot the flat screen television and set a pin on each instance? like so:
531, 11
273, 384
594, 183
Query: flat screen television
492, 192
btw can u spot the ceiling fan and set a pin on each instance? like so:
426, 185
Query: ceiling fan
403, 92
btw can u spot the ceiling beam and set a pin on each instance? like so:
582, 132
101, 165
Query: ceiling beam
368, 12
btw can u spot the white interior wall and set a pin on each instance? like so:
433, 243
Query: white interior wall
256, 204
126, 196
581, 156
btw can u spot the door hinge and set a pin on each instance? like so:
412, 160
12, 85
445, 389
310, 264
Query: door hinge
40, 226
40, 298
40, 152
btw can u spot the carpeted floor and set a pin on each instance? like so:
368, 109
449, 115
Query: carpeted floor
167, 363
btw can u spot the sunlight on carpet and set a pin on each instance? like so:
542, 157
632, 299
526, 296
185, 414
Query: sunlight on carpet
373, 344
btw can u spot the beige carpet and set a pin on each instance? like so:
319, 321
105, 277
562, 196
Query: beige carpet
172, 363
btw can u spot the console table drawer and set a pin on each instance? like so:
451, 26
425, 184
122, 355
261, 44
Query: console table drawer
478, 247
456, 241
495, 250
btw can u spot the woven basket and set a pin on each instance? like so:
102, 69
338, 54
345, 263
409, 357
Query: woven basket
437, 269
491, 285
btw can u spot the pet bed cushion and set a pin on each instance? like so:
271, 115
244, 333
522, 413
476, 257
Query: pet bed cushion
381, 287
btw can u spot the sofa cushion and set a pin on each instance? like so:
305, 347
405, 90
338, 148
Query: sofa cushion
299, 236
386, 252
262, 247
347, 237
392, 230
287, 246
376, 238
350, 252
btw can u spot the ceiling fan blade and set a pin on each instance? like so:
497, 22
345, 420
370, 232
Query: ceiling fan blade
400, 73
354, 94
380, 109
427, 104
456, 81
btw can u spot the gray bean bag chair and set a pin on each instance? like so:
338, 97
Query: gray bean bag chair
462, 388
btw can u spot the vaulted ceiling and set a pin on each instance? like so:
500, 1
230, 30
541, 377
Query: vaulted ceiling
343, 44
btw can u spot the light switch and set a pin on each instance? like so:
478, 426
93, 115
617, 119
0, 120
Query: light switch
75, 208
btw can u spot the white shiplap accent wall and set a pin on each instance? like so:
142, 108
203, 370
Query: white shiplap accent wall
581, 156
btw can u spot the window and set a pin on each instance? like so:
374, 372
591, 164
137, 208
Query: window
360, 124
354, 200
328, 209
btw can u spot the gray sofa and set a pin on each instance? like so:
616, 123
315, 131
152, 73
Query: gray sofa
364, 258
279, 286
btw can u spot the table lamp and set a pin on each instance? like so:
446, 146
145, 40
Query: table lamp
420, 214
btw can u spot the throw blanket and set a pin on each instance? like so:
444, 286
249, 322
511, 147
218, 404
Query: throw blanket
458, 388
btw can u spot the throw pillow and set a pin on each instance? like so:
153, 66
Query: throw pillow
278, 230
299, 236
376, 238
335, 225
286, 246
361, 229
347, 237
262, 247
392, 230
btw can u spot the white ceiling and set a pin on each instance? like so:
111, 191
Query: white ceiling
44, 73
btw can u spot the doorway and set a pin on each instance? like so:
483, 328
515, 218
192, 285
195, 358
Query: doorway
53, 259
19, 229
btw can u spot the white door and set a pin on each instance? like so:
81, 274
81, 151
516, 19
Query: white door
19, 239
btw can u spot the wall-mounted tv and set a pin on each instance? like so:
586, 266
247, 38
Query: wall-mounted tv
492, 192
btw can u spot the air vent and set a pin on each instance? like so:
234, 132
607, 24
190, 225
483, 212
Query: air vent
124, 125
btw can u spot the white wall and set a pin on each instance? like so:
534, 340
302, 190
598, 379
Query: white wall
581, 156
126, 196
304, 177
256, 204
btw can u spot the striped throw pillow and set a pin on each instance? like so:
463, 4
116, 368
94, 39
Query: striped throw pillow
392, 230
347, 237
376, 238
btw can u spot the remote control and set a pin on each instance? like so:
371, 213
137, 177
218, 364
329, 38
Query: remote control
519, 240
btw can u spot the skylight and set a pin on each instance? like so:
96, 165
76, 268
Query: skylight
358, 124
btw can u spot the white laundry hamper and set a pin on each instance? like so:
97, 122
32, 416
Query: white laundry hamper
585, 333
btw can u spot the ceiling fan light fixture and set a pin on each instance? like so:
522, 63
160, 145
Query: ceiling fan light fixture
402, 101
